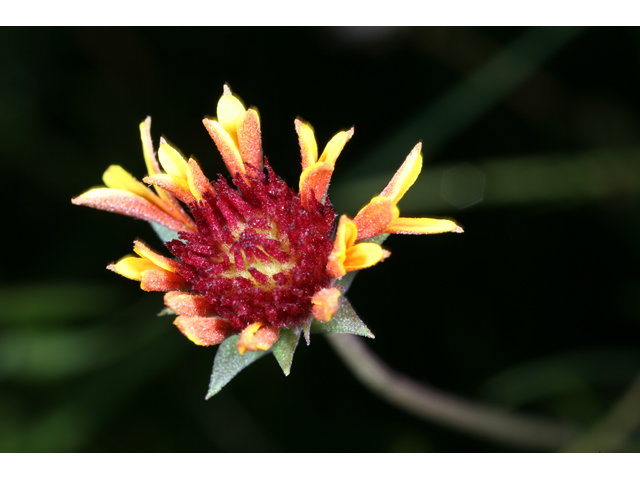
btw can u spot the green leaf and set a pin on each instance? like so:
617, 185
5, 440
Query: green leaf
344, 321
165, 234
306, 328
228, 363
285, 347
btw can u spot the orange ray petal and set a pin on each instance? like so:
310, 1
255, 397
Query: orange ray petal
315, 181
162, 281
204, 331
176, 186
127, 203
189, 304
226, 146
420, 226
250, 141
307, 141
197, 181
325, 304
375, 217
257, 336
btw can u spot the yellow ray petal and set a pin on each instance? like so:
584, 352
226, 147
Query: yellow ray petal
229, 108
159, 260
118, 178
363, 255
172, 160
158, 280
405, 176
419, 226
308, 145
132, 266
345, 237
150, 159
335, 146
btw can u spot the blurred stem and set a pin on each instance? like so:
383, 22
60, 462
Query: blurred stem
612, 432
431, 404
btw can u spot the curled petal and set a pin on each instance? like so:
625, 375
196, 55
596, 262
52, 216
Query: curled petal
308, 145
250, 140
159, 280
189, 304
364, 255
176, 186
172, 160
375, 217
204, 331
197, 182
315, 181
419, 226
335, 146
346, 235
159, 260
325, 304
226, 145
130, 204
257, 336
405, 176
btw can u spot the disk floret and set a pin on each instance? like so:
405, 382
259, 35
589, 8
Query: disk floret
259, 255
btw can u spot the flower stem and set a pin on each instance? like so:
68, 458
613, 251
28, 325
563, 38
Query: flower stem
429, 403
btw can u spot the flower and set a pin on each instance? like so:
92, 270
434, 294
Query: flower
259, 258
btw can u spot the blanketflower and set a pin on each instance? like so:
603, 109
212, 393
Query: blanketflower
258, 262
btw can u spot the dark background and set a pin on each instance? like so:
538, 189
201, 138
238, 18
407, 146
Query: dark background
532, 142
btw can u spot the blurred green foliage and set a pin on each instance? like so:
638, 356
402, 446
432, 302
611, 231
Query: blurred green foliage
532, 142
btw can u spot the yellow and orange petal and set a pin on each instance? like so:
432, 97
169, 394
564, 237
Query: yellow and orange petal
316, 172
236, 133
325, 304
257, 336
381, 215
204, 331
348, 256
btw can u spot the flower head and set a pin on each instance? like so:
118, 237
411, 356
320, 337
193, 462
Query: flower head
255, 258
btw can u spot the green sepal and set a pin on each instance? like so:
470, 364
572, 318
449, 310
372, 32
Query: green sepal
285, 347
379, 239
306, 328
344, 321
228, 363
165, 234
